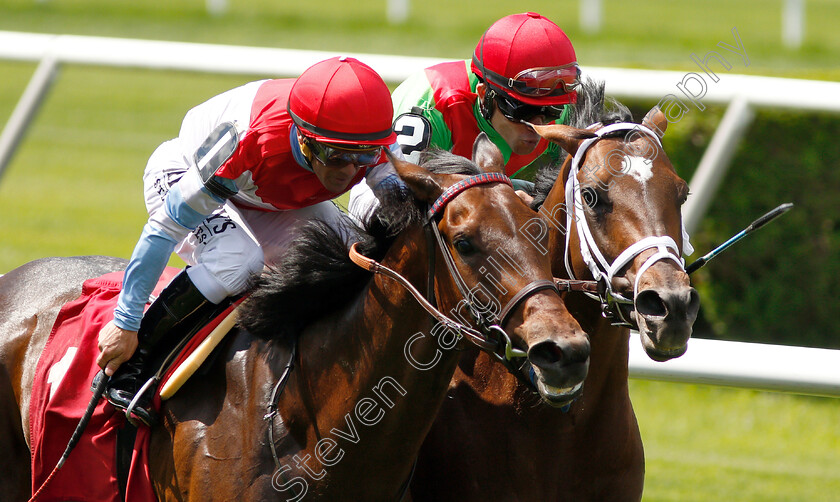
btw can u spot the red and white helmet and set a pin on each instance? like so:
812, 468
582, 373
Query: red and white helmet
342, 101
528, 58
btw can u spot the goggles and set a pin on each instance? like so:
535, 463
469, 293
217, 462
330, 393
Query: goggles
518, 112
546, 81
362, 156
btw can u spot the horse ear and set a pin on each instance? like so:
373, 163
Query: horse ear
656, 120
487, 155
569, 138
422, 183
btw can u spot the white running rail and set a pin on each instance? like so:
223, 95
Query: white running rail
758, 366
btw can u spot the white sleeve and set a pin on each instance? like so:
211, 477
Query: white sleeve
230, 106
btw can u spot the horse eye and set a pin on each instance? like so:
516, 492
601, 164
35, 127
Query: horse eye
590, 196
464, 247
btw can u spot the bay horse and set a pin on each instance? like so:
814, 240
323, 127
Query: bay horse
492, 440
370, 365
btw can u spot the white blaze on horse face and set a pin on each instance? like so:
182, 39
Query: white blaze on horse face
639, 168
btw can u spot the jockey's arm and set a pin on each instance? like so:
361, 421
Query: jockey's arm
187, 204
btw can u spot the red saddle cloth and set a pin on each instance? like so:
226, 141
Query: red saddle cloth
61, 393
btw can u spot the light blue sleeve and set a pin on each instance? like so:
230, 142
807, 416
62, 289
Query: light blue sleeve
187, 204
147, 262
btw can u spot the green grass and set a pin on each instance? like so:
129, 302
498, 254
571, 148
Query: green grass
74, 186
710, 443
650, 34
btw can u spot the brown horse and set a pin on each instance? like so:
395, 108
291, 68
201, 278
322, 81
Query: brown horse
492, 440
372, 367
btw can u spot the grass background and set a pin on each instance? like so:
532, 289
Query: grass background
74, 186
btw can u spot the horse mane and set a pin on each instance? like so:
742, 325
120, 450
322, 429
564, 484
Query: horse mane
592, 107
316, 277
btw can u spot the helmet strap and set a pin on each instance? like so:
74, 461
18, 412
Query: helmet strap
304, 148
485, 106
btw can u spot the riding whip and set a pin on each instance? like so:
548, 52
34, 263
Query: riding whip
767, 218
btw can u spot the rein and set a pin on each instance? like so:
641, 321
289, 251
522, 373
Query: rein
601, 269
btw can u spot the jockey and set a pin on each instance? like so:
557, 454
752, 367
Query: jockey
248, 166
524, 68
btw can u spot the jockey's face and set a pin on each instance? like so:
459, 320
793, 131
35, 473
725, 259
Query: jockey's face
335, 177
337, 165
519, 137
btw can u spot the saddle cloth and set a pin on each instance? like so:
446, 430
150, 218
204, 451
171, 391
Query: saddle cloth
61, 392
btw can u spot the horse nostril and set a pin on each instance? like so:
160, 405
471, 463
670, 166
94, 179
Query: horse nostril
693, 304
545, 354
650, 304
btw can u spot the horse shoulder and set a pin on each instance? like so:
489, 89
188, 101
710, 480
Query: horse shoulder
30, 299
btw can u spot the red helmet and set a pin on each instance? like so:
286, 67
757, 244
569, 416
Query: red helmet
344, 101
529, 58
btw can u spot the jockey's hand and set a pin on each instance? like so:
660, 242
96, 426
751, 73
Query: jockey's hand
116, 345
527, 199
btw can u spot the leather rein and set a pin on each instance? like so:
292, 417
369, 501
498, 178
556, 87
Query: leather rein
489, 337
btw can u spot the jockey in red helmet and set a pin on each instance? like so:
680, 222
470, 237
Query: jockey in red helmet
524, 68
528, 61
227, 194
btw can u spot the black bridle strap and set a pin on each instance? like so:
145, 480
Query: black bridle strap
523, 293
511, 305
430, 248
453, 272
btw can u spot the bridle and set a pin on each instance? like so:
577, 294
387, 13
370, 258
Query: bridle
602, 270
488, 335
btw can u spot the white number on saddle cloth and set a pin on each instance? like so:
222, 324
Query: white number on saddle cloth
59, 369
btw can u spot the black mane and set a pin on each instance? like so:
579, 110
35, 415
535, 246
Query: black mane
592, 107
316, 275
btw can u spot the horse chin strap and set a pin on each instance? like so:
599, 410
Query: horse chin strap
601, 269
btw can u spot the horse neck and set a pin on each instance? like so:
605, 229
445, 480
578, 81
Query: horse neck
359, 356
392, 325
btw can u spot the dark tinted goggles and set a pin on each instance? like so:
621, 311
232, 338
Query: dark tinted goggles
517, 112
334, 156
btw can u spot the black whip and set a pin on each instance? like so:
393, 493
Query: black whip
767, 218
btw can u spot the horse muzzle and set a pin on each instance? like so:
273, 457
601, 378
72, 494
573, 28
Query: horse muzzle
665, 318
558, 369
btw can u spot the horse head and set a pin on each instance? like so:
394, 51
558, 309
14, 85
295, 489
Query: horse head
502, 279
619, 211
